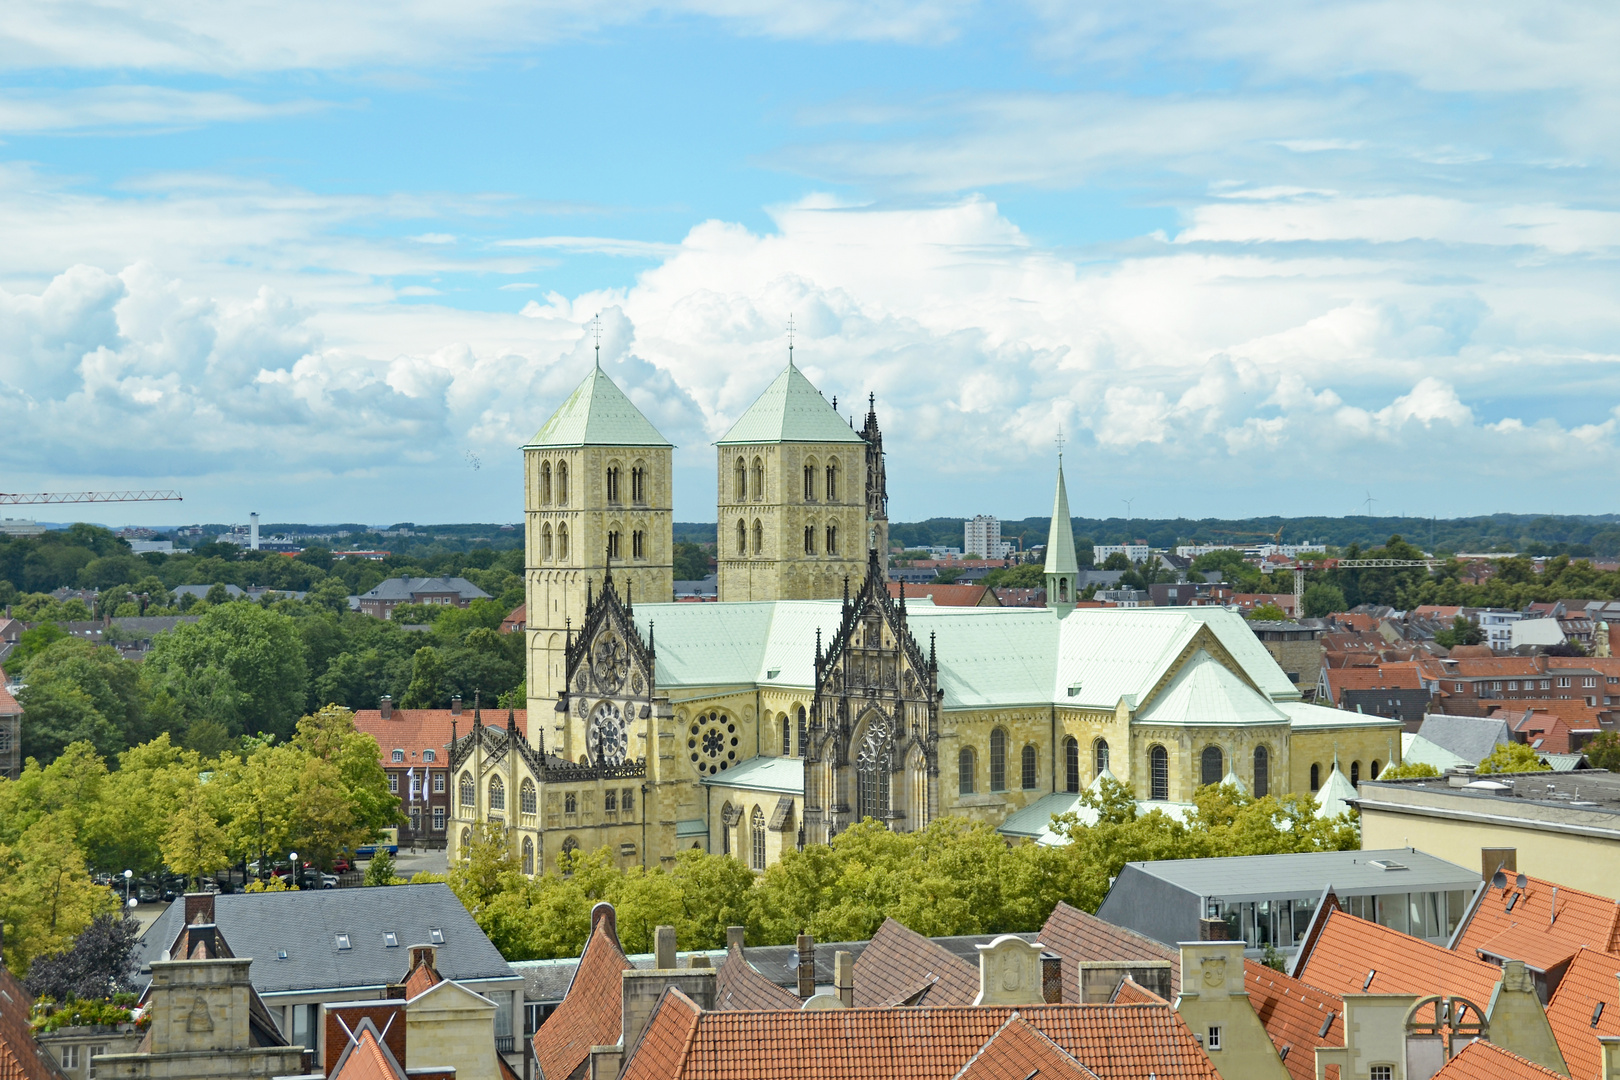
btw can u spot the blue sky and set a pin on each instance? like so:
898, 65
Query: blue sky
336, 262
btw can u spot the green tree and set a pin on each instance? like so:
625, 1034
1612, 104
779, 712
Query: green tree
194, 844
691, 561
1267, 613
1513, 758
1409, 770
1025, 576
240, 664
380, 870
428, 672
1461, 632
1321, 599
46, 896
78, 691
1116, 561
1604, 751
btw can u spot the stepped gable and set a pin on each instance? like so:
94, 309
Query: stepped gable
1349, 950
739, 985
1591, 981
1020, 1052
1114, 1042
1296, 1015
901, 967
592, 1011
1482, 1060
1536, 930
1077, 936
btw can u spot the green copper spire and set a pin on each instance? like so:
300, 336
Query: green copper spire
1062, 568
597, 413
790, 410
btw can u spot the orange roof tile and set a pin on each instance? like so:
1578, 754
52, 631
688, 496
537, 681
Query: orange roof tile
901, 967
739, 985
416, 730
1131, 992
1294, 1014
1529, 932
21, 1058
1593, 979
1076, 936
1397, 676
1349, 949
592, 1010
1486, 1061
1114, 1041
947, 595
367, 1058
1019, 1052
421, 980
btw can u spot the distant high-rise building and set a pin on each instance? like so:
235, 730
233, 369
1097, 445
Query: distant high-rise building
982, 536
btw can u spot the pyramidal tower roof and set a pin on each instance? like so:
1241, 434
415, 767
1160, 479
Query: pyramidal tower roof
1060, 557
790, 410
597, 413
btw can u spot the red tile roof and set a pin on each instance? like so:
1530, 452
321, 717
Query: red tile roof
1019, 1051
8, 704
516, 619
1294, 1014
21, 1058
738, 985
1592, 978
416, 730
1349, 949
1530, 933
1486, 1061
592, 1011
367, 1058
901, 967
1397, 676
948, 595
1076, 936
1115, 1042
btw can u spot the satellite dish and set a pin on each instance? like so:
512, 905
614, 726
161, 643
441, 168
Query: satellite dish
1521, 881
1499, 880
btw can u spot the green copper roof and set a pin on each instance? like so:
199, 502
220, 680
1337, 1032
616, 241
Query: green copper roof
1060, 558
790, 410
598, 414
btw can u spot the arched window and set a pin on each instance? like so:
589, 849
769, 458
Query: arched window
399, 755
468, 798
1063, 590
809, 539
964, 771
528, 855
809, 483
756, 826
1262, 772
1355, 772
725, 829
638, 545
566, 859
832, 481
497, 794
1159, 772
1316, 777
803, 732
998, 760
756, 481
1099, 756
613, 483
466, 841
1071, 765
526, 800
742, 537
562, 483
613, 544
562, 543
740, 483
1028, 768
545, 543
787, 737
638, 484
872, 772
1373, 770
545, 482
1210, 766
759, 537
832, 540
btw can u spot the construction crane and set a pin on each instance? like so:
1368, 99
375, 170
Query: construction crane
88, 497
1356, 564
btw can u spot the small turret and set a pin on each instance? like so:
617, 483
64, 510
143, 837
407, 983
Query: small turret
1062, 567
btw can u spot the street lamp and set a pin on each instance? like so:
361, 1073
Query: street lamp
127, 875
292, 858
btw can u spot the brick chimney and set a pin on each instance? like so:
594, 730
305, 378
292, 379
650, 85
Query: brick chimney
735, 936
1212, 929
386, 706
807, 966
1051, 978
199, 908
455, 705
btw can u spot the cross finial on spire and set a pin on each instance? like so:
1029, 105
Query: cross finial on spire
790, 339
596, 330
1060, 440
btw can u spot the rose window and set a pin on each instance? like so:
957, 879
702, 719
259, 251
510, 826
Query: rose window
712, 743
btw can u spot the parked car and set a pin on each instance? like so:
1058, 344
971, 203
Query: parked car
147, 894
341, 865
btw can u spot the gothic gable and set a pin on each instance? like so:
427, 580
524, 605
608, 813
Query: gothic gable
610, 677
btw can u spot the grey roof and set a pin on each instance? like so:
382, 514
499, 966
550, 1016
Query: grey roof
306, 925
201, 591
404, 588
152, 624
1351, 873
1471, 738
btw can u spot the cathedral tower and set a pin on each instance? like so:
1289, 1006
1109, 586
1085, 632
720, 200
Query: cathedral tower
1062, 568
793, 501
597, 487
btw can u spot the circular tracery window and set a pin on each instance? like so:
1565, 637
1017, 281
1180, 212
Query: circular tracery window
712, 743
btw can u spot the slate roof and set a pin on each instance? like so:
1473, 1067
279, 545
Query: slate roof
598, 413
790, 410
306, 924
403, 588
901, 967
1294, 1014
1592, 978
1469, 737
1019, 1051
1115, 1042
21, 1058
1529, 932
737, 985
592, 1011
1077, 936
1349, 948
1481, 1060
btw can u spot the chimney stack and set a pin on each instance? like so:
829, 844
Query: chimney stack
807, 966
844, 978
735, 935
1051, 978
455, 705
199, 909
386, 705
1212, 929
423, 956
664, 948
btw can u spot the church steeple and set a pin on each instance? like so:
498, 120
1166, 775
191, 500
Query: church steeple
1062, 568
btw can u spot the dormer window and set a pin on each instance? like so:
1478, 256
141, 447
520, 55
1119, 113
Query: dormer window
343, 941
390, 940
429, 755
436, 936
399, 755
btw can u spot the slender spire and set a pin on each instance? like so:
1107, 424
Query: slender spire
1060, 557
